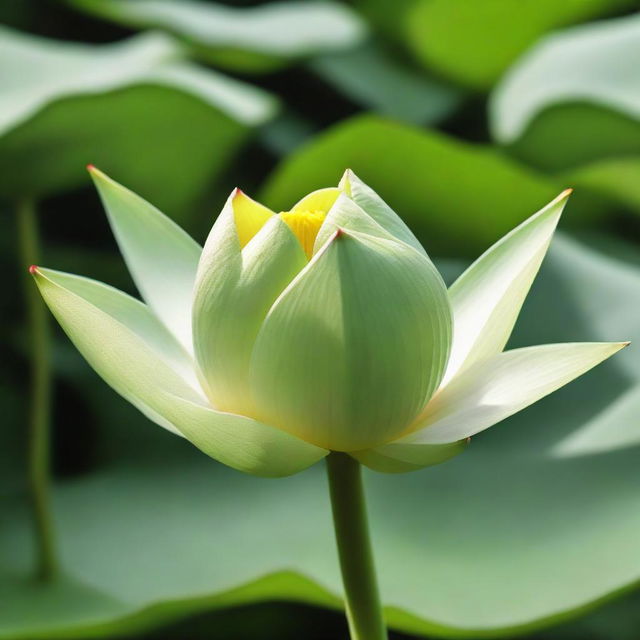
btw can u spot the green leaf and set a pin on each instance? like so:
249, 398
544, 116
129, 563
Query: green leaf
457, 196
372, 79
504, 538
473, 43
614, 428
615, 178
65, 105
248, 38
579, 86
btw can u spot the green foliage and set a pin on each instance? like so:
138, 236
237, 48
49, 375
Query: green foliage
247, 39
118, 106
373, 79
473, 42
573, 98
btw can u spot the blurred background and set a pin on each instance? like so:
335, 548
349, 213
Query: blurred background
467, 117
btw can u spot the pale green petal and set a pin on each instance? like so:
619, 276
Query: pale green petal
351, 350
378, 209
161, 257
496, 388
240, 442
234, 291
122, 340
487, 297
400, 458
346, 214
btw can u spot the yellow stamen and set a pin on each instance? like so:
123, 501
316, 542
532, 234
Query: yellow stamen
305, 226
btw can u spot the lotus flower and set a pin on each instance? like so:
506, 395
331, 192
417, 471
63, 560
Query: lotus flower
324, 328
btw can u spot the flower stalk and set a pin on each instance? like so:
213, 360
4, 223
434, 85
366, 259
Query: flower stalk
362, 599
39, 396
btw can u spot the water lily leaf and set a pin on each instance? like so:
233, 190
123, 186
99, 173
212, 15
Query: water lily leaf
457, 195
247, 39
124, 107
473, 43
503, 538
370, 77
614, 428
615, 179
579, 86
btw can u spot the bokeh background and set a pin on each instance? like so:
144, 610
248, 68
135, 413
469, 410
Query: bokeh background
466, 116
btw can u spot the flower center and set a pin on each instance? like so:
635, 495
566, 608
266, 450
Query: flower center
305, 226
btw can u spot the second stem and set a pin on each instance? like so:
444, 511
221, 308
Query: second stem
40, 394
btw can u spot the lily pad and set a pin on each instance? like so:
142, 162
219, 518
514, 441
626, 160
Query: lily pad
615, 178
458, 195
371, 78
473, 43
246, 39
136, 108
504, 538
579, 86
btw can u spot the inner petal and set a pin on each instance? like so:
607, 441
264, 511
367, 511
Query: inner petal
305, 225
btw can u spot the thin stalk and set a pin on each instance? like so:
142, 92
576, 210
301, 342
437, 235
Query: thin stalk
364, 611
40, 395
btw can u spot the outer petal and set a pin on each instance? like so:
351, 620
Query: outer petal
121, 339
249, 216
487, 297
378, 209
133, 352
494, 389
400, 458
161, 257
353, 347
240, 442
234, 291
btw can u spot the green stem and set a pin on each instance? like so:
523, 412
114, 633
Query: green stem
364, 611
40, 394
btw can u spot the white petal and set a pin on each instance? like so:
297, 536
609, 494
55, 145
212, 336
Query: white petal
352, 349
400, 458
486, 299
161, 257
496, 388
378, 209
347, 214
239, 441
122, 340
234, 292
